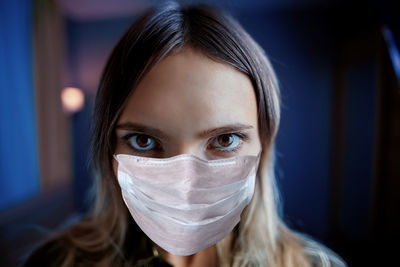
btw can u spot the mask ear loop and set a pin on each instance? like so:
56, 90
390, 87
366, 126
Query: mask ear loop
115, 157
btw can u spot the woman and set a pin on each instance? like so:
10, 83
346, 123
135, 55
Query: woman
186, 95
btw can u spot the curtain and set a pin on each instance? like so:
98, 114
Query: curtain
53, 124
19, 176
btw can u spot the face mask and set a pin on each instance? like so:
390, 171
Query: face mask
183, 203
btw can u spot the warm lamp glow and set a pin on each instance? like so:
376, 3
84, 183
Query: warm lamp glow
72, 99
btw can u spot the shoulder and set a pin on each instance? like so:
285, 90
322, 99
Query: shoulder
325, 258
320, 255
50, 253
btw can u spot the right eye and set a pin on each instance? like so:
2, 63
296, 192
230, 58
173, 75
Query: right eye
141, 142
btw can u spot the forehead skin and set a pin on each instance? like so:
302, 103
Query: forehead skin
186, 93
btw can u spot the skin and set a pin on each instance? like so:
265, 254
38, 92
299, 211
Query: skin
183, 95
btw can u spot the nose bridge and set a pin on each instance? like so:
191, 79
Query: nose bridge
187, 147
185, 139
191, 149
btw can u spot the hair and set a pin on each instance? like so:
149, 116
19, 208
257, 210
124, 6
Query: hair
108, 235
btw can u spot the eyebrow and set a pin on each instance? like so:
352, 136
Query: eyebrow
203, 134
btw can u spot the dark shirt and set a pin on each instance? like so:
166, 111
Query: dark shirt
155, 261
53, 254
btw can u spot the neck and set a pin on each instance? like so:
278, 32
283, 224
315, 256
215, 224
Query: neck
206, 257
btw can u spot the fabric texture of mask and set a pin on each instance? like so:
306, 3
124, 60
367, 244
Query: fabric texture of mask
183, 203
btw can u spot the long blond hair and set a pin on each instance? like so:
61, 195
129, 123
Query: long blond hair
108, 235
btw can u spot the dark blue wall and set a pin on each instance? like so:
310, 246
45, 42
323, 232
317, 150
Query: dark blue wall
89, 45
299, 45
18, 143
359, 154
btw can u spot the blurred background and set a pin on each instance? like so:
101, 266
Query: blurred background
338, 146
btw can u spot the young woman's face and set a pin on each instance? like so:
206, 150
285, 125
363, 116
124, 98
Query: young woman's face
190, 104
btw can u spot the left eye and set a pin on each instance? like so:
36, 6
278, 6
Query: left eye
227, 141
142, 142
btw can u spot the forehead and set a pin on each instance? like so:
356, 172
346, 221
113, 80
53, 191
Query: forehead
189, 91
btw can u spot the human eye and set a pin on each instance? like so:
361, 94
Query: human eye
141, 142
228, 143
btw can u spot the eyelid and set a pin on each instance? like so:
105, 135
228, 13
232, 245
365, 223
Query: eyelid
241, 135
242, 138
128, 136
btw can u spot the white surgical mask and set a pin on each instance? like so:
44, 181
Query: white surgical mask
183, 203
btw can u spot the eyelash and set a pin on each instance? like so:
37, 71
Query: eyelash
242, 136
